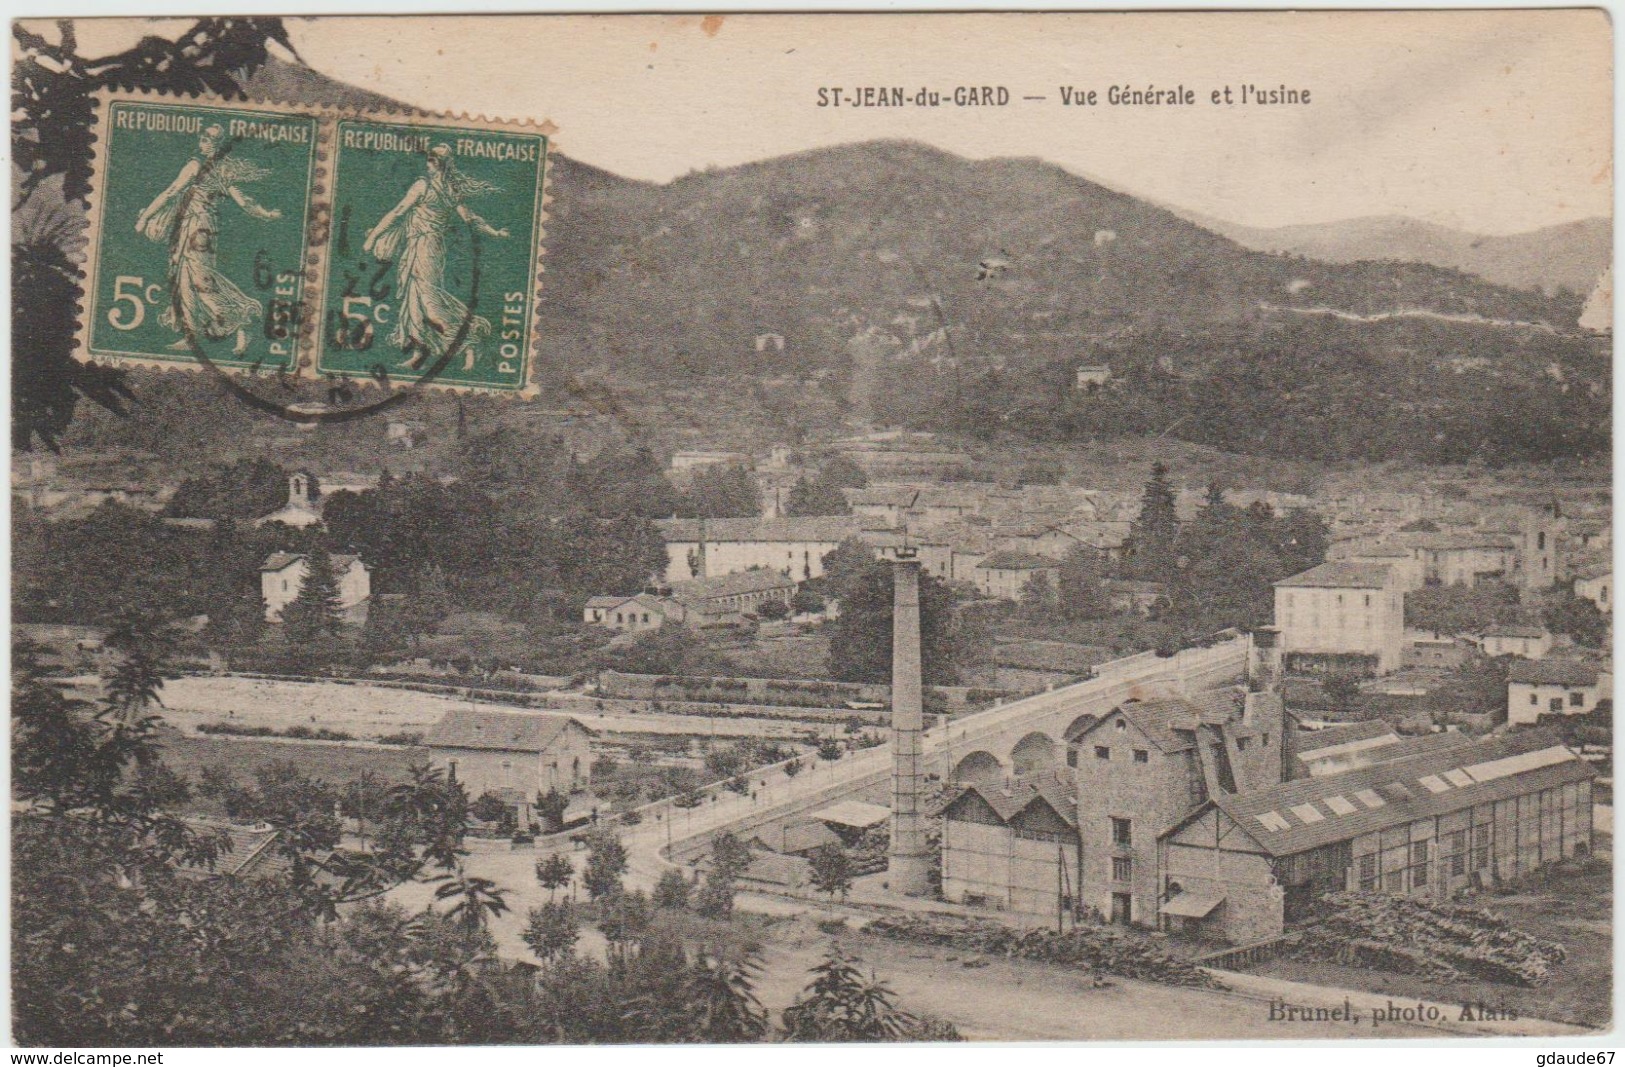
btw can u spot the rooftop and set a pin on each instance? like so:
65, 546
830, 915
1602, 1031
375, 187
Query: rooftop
1309, 812
1552, 672
1344, 575
498, 730
1165, 720
1015, 561
277, 561
827, 528
736, 584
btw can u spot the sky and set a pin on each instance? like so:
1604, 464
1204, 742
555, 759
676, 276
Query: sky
1495, 122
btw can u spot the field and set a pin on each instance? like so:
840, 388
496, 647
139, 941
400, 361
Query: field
333, 763
368, 711
1578, 912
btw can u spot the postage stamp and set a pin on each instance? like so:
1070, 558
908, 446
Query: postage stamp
399, 248
433, 257
198, 233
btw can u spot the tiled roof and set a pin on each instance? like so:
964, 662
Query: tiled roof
1343, 575
278, 560
1551, 672
1530, 632
1015, 795
1160, 719
736, 584
831, 528
1308, 741
1309, 812
245, 851
498, 730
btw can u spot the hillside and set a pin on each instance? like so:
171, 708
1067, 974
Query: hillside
1572, 255
789, 296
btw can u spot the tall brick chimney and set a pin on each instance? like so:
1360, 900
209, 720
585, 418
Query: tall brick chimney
910, 860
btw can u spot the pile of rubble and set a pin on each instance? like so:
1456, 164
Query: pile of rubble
1446, 943
1088, 948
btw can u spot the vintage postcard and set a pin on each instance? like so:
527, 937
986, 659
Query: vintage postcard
563, 530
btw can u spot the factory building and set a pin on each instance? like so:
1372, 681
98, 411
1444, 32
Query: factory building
1221, 815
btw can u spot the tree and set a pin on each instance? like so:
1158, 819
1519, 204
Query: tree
721, 995
722, 491
623, 918
815, 497
671, 891
792, 768
670, 649
842, 472
832, 871
806, 601
715, 899
1577, 617
1451, 610
840, 1004
1080, 587
729, 855
1037, 598
554, 873
552, 931
860, 636
1151, 541
242, 490
1343, 692
772, 610
316, 612
550, 808
606, 864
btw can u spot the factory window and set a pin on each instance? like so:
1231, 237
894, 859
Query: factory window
1142, 756
1122, 832
1368, 873
1102, 752
1122, 869
1266, 740
1577, 699
1419, 864
1481, 847
1120, 724
1540, 541
1395, 881
1241, 744
1534, 698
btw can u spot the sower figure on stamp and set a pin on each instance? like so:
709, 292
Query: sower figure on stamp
413, 236
186, 214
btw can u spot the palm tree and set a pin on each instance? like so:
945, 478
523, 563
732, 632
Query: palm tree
720, 995
842, 1005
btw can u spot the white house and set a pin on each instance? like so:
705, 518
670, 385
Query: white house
1553, 687
1341, 616
633, 613
516, 756
1006, 574
282, 575
1530, 642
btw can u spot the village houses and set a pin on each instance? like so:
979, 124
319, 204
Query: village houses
283, 574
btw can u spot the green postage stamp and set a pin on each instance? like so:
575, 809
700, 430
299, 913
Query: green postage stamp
198, 234
259, 238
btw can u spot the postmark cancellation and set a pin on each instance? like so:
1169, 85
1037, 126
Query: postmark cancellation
254, 238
